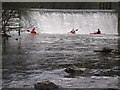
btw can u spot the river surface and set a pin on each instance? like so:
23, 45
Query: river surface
33, 58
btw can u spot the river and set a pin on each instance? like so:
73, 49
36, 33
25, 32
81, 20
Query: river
32, 58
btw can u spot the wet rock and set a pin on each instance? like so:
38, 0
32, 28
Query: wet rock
108, 50
96, 72
115, 51
75, 70
116, 68
46, 85
105, 72
105, 49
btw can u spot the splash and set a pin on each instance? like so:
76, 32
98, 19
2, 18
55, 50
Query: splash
63, 21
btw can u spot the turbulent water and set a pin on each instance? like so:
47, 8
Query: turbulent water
45, 56
62, 21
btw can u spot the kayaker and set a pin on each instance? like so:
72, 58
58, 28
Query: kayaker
98, 32
73, 31
33, 31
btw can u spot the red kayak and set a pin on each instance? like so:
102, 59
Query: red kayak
71, 33
96, 33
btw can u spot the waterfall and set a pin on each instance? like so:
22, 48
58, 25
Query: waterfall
63, 21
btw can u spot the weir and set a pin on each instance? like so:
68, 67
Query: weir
60, 21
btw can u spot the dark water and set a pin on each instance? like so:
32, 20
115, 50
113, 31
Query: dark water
44, 57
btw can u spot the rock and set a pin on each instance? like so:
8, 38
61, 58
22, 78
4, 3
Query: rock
105, 49
74, 69
116, 68
115, 51
46, 85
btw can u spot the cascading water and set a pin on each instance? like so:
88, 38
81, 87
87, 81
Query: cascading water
62, 21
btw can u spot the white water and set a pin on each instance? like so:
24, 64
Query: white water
62, 21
